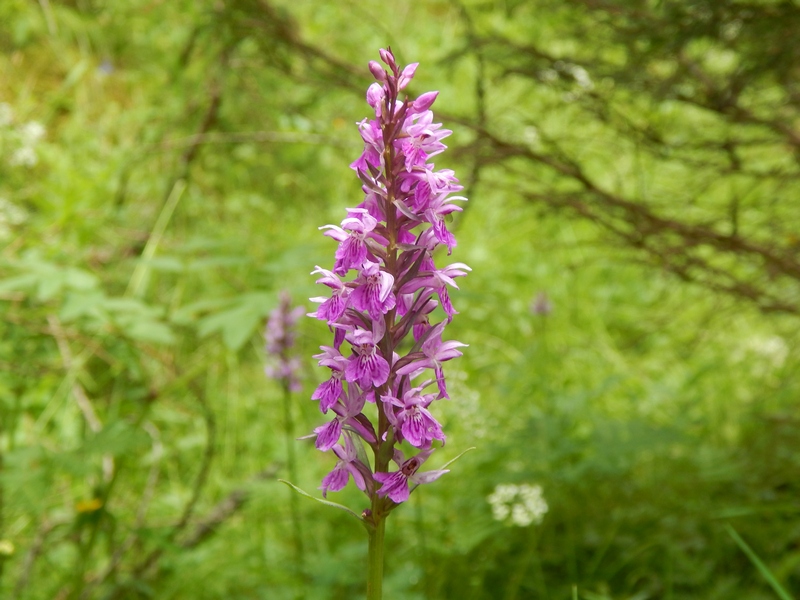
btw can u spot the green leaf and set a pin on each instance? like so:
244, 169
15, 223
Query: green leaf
188, 313
151, 331
131, 306
325, 502
48, 287
46, 278
78, 279
83, 304
19, 283
444, 466
238, 323
116, 438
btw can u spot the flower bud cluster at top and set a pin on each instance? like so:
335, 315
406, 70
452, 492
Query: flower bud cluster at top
388, 242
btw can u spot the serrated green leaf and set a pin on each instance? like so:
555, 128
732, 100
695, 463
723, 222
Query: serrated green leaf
78, 279
151, 331
238, 323
48, 287
20, 283
129, 305
82, 304
116, 438
189, 312
240, 328
235, 318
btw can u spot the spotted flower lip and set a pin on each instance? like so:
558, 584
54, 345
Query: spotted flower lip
352, 402
373, 292
396, 484
330, 308
423, 141
433, 353
384, 295
366, 367
328, 392
415, 422
352, 236
347, 466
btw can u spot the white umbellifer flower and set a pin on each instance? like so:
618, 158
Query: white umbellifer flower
499, 500
6, 114
772, 348
581, 77
10, 215
763, 354
531, 136
31, 133
548, 75
732, 29
25, 156
524, 504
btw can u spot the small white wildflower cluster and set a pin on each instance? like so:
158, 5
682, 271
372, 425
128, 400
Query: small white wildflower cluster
566, 72
467, 410
23, 137
520, 504
6, 114
762, 355
10, 216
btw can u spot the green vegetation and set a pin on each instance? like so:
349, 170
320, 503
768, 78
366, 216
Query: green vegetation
635, 162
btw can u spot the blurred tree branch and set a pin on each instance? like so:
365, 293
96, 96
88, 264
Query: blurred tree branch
699, 235
738, 65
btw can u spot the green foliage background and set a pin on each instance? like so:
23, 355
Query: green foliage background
190, 152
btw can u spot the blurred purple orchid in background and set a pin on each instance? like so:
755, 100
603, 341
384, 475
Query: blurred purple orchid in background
279, 336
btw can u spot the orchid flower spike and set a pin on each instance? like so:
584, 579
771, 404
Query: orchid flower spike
386, 302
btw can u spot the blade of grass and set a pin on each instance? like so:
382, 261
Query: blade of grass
142, 270
782, 593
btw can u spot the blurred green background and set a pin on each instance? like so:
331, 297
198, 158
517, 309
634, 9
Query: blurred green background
633, 169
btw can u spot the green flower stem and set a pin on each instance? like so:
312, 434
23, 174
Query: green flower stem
291, 459
375, 570
376, 526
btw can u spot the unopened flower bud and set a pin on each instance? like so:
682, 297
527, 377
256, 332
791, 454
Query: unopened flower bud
424, 102
388, 58
377, 71
375, 96
407, 75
